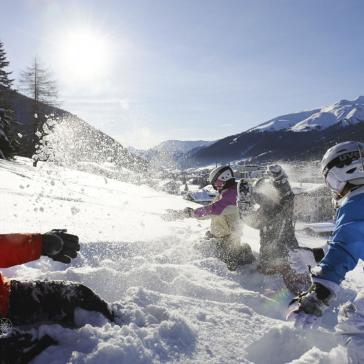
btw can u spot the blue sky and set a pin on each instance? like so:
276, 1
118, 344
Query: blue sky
189, 69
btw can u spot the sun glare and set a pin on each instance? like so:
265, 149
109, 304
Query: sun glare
85, 54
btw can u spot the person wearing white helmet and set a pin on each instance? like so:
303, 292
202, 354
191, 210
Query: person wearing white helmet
225, 227
343, 169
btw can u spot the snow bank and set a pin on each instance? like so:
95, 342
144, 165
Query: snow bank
175, 302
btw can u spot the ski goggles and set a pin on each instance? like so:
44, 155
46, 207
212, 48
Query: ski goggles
333, 182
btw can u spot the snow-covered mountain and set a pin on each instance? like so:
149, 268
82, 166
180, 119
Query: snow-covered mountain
299, 136
178, 302
180, 146
347, 112
168, 153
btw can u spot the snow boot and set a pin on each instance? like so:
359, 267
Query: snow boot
21, 348
350, 329
234, 256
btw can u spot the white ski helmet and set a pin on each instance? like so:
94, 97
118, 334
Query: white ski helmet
343, 164
223, 174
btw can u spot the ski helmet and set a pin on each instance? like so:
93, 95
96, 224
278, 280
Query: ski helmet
343, 165
219, 176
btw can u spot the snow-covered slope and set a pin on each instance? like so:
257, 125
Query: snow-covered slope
181, 305
343, 111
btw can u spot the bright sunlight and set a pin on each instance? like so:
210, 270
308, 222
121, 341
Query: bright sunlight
85, 54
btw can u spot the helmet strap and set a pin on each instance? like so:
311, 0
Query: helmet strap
348, 188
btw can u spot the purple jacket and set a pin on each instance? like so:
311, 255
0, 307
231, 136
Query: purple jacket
226, 198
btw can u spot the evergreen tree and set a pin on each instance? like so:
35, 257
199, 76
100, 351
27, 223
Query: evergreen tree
5, 81
7, 139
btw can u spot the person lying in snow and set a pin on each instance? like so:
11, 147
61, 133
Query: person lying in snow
343, 169
268, 206
34, 302
225, 228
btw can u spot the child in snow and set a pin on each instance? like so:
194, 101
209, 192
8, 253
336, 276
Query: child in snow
343, 169
274, 220
225, 224
33, 302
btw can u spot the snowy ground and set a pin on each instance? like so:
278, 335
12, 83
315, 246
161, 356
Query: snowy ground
180, 304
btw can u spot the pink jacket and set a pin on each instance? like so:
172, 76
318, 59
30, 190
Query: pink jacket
226, 198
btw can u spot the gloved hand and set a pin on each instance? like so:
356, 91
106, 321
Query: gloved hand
188, 212
244, 198
276, 172
59, 245
307, 308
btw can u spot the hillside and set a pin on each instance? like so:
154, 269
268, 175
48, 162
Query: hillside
82, 141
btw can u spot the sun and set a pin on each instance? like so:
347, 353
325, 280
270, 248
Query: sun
84, 54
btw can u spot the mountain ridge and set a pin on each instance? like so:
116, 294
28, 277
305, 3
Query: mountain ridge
296, 136
318, 118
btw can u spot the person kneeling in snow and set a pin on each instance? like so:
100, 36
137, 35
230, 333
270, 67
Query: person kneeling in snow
225, 227
343, 169
34, 302
268, 206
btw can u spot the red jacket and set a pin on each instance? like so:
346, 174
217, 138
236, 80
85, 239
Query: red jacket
16, 249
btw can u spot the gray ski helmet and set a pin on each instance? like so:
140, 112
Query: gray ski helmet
343, 164
224, 173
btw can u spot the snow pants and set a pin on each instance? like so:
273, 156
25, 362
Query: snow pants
51, 301
350, 328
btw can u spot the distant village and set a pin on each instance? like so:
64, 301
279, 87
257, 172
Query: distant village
312, 201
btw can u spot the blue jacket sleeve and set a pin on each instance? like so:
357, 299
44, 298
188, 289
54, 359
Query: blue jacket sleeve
347, 245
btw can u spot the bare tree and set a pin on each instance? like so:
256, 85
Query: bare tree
37, 82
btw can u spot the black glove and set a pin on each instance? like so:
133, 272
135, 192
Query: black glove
59, 245
318, 254
244, 198
306, 309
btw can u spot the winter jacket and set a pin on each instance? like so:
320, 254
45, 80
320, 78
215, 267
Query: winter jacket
224, 215
16, 249
347, 242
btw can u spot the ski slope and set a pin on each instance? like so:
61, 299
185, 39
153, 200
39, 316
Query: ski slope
177, 303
